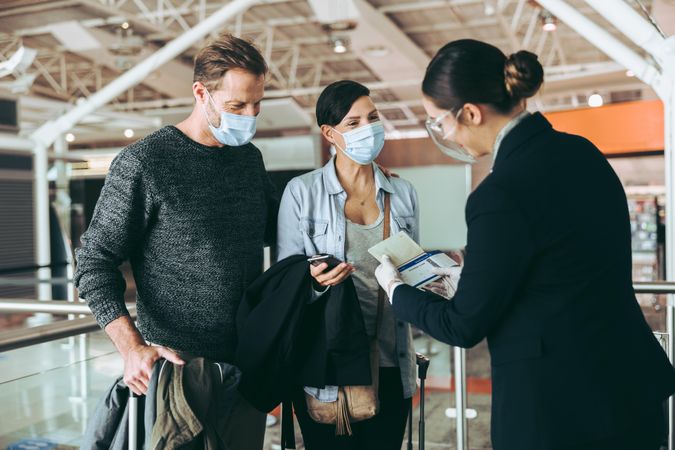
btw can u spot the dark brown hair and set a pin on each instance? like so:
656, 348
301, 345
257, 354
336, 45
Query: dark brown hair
225, 53
337, 99
470, 71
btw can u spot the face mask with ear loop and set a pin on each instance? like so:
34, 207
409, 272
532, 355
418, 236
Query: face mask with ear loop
234, 129
363, 144
445, 140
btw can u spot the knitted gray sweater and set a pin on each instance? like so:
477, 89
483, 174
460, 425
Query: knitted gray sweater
192, 220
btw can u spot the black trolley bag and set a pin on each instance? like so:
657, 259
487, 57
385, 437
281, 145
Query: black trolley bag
422, 368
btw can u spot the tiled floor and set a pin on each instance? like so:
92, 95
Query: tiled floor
49, 390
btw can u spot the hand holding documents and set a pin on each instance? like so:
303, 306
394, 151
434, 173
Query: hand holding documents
414, 264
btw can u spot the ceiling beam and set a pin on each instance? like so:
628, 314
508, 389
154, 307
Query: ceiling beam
404, 60
425, 4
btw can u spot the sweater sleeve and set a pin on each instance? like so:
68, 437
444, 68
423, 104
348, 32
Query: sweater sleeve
116, 231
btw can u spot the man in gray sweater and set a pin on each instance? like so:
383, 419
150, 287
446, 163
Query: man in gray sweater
191, 207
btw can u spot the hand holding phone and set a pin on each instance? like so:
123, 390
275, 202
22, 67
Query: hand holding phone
327, 270
331, 260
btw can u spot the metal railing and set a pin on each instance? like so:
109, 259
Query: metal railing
659, 287
667, 288
25, 337
9, 305
32, 281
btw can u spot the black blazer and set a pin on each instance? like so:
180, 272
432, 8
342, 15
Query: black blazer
284, 342
547, 279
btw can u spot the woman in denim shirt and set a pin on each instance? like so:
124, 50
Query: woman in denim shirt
339, 210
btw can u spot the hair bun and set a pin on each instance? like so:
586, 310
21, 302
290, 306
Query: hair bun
523, 75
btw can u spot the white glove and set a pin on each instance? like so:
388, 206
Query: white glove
446, 286
388, 277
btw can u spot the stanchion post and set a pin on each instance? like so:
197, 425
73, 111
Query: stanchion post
670, 328
460, 398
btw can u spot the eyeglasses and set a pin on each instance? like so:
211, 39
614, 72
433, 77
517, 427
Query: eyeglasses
445, 140
435, 126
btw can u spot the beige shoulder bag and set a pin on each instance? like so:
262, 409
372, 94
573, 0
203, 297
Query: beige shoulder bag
355, 403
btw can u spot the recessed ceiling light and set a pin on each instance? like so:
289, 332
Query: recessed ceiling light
125, 25
595, 100
548, 21
339, 46
630, 73
376, 50
70, 137
128, 133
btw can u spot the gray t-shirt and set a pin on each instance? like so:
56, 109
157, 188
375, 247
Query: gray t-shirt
359, 239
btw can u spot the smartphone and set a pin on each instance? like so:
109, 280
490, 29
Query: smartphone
331, 260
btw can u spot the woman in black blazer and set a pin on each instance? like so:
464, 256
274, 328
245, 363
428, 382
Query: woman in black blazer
547, 274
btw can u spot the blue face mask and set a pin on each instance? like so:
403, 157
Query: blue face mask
234, 129
363, 144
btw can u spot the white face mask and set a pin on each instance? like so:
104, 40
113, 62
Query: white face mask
363, 144
445, 140
234, 130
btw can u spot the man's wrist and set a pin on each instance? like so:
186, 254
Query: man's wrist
125, 335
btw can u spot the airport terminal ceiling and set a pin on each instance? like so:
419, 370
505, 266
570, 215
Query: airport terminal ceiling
82, 45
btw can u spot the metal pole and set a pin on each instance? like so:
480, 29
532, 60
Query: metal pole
9, 281
669, 141
410, 429
420, 426
133, 420
52, 307
48, 132
422, 369
41, 218
654, 287
15, 143
670, 327
62, 185
25, 337
460, 398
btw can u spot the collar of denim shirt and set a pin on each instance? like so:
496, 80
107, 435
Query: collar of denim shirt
333, 186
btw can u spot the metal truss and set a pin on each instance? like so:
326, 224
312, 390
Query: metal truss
297, 50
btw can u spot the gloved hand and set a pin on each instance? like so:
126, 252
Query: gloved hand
388, 277
446, 286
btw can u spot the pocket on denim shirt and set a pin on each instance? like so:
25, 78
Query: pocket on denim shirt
406, 223
315, 232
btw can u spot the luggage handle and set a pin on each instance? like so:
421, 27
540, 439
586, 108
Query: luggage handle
422, 368
133, 420
423, 365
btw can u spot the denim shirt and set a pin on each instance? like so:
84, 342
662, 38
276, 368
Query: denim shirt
312, 221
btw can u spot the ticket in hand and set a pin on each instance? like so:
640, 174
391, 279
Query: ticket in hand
413, 263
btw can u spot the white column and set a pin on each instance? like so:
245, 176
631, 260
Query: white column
62, 185
41, 218
669, 144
